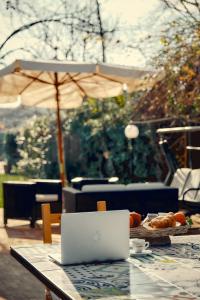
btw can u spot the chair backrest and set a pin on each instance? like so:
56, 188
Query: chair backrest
197, 199
101, 205
48, 186
193, 182
49, 218
18, 199
179, 180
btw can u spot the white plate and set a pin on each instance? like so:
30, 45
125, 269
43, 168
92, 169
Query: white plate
144, 252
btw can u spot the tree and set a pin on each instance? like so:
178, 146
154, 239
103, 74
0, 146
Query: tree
104, 149
11, 152
64, 30
177, 94
35, 150
174, 100
187, 10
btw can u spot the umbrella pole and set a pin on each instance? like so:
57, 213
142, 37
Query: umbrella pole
60, 137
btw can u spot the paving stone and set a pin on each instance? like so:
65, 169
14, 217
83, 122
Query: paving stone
17, 283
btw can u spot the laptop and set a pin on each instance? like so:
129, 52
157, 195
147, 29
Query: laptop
93, 237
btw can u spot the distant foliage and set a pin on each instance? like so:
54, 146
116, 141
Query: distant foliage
36, 146
2, 145
104, 149
95, 145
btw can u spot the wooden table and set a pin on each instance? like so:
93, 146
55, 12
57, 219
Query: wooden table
170, 272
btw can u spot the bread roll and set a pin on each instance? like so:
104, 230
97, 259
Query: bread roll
163, 222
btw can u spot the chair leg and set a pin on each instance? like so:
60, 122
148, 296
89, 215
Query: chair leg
32, 223
33, 217
5, 221
48, 294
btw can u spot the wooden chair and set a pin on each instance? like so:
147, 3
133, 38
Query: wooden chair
101, 205
48, 219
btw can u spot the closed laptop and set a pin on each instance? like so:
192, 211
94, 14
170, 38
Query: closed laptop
94, 236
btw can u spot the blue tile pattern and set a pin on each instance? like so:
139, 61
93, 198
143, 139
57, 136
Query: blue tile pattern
169, 273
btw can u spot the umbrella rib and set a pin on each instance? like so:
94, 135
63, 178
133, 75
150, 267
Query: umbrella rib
21, 74
76, 83
88, 76
65, 78
72, 80
70, 76
33, 79
50, 76
62, 80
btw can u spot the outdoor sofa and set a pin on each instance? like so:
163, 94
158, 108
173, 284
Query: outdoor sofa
141, 197
23, 199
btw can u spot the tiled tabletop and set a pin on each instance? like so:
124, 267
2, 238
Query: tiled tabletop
169, 272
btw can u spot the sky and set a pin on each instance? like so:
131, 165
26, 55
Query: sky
136, 13
130, 12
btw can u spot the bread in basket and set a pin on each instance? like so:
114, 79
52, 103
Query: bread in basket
148, 230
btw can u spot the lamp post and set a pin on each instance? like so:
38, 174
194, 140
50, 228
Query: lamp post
131, 132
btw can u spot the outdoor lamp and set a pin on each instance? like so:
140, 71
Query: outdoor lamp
131, 131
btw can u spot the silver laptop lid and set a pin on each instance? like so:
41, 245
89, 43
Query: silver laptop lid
94, 236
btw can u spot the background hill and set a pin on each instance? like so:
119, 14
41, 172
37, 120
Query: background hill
11, 119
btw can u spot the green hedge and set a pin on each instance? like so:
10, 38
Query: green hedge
5, 177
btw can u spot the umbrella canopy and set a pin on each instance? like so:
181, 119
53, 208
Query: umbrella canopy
63, 85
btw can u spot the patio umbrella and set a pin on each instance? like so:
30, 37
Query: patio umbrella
63, 85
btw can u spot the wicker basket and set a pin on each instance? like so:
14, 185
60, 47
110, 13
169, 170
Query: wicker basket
157, 236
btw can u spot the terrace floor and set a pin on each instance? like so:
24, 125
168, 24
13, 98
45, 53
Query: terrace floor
17, 283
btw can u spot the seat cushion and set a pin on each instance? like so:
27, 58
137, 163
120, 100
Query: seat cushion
46, 197
103, 187
145, 186
79, 182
